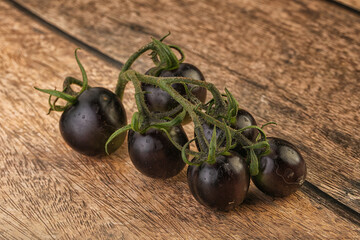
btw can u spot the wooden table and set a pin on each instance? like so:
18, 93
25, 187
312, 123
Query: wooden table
293, 62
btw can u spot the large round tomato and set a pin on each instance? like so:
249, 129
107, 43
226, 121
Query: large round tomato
87, 125
222, 185
154, 155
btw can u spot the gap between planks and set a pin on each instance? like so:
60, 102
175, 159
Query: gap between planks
347, 5
93, 50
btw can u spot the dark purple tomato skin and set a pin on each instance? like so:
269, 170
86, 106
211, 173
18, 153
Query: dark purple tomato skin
222, 185
160, 101
154, 155
189, 71
243, 119
281, 172
87, 125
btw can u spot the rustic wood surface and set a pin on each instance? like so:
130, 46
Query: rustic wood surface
293, 62
50, 192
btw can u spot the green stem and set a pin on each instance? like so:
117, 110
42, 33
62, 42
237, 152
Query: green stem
83, 73
166, 86
178, 146
67, 85
235, 133
171, 112
121, 84
167, 60
218, 99
139, 96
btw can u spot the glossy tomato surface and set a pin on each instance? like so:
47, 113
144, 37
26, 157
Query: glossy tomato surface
86, 125
222, 185
245, 119
281, 172
154, 155
160, 101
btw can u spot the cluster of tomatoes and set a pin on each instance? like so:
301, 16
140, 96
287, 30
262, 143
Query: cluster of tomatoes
231, 149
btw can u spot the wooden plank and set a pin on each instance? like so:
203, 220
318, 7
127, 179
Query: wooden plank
296, 63
50, 192
354, 4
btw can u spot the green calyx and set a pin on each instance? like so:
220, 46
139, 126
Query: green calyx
162, 56
67, 94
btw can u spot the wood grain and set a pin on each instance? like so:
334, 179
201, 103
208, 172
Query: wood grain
293, 62
50, 192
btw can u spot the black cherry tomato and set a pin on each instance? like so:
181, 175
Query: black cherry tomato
160, 101
222, 185
154, 155
243, 119
281, 172
87, 125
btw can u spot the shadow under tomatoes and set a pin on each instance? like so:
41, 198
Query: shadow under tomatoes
154, 155
222, 185
87, 125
